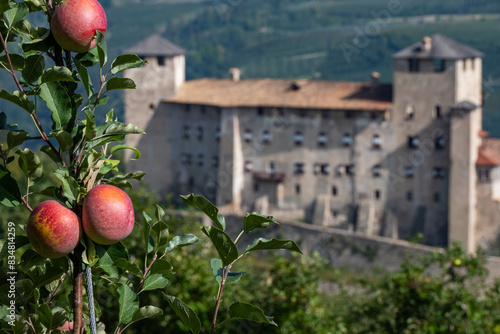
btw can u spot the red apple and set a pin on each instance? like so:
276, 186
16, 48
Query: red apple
53, 230
108, 214
75, 22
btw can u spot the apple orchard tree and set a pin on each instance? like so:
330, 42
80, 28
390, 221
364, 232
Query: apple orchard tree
79, 232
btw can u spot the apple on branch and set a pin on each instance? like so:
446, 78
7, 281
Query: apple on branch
75, 22
53, 230
107, 215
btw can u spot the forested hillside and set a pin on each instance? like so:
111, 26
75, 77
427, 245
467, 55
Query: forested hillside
326, 39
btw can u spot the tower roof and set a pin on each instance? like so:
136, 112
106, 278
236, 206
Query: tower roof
439, 47
156, 45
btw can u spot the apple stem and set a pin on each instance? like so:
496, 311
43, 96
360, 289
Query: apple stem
77, 294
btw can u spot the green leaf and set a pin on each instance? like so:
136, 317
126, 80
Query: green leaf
16, 138
17, 62
90, 130
33, 67
101, 48
120, 83
51, 318
15, 15
161, 233
250, 312
217, 270
153, 282
253, 221
146, 312
49, 152
53, 271
85, 77
65, 140
187, 315
129, 303
206, 207
181, 241
125, 62
30, 164
57, 73
225, 246
130, 267
265, 244
146, 229
162, 267
113, 131
59, 103
108, 255
135, 176
89, 255
126, 147
88, 59
19, 99
70, 187
10, 196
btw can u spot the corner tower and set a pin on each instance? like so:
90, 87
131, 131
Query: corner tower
161, 77
437, 116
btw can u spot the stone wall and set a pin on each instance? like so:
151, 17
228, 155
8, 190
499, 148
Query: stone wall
347, 249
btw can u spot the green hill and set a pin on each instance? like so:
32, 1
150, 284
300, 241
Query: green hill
304, 38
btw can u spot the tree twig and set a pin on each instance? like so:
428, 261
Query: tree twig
219, 297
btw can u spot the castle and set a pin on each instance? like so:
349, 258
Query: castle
394, 160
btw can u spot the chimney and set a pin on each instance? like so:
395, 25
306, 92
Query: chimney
374, 80
426, 43
235, 73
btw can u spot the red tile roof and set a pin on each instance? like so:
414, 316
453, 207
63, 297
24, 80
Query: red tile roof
488, 156
302, 94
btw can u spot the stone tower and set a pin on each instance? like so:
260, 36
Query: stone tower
161, 77
437, 117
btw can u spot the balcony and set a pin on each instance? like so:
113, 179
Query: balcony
270, 177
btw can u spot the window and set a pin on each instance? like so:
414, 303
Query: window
203, 109
413, 142
348, 114
161, 60
409, 196
248, 166
409, 171
217, 134
201, 160
247, 136
322, 139
376, 142
271, 168
414, 65
186, 132
440, 143
377, 194
298, 168
484, 175
266, 137
437, 112
199, 133
335, 191
298, 138
323, 169
347, 140
186, 158
260, 111
376, 170
438, 173
297, 189
215, 161
409, 112
437, 197
439, 65
187, 107
325, 113
303, 113
151, 106
256, 187
349, 169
